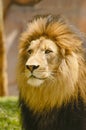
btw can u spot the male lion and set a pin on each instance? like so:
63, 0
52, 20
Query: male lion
51, 76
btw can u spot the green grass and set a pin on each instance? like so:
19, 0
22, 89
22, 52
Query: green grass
9, 114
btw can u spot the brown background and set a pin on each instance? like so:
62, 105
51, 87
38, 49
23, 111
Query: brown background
17, 17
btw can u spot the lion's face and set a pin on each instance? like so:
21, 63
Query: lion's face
42, 61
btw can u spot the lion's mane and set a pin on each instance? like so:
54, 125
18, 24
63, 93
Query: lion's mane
71, 74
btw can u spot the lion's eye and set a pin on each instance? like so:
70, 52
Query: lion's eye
30, 51
48, 51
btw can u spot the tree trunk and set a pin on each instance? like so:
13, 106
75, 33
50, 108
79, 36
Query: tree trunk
3, 74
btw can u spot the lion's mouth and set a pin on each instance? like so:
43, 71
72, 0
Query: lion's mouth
35, 77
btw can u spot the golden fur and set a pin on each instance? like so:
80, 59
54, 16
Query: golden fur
67, 62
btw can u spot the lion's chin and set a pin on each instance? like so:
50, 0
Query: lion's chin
35, 82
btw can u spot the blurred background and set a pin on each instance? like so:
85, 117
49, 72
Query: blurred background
14, 15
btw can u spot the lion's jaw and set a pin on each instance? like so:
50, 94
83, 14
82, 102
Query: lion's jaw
43, 53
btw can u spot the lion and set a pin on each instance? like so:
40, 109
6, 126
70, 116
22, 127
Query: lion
51, 75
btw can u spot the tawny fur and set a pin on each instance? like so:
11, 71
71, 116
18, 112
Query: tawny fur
70, 80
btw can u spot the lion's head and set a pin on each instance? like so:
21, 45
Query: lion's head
51, 65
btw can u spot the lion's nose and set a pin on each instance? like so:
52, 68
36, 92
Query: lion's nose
32, 67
